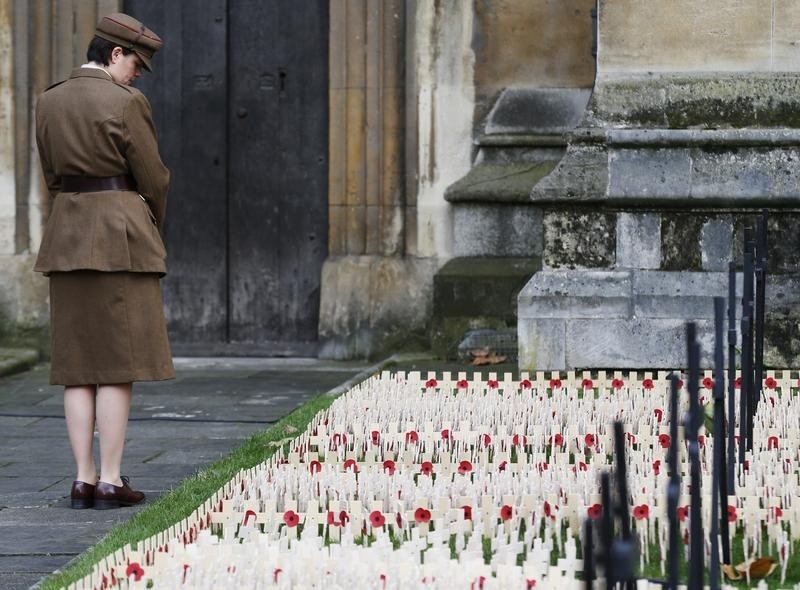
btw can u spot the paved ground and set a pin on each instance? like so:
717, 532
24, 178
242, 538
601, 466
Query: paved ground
175, 428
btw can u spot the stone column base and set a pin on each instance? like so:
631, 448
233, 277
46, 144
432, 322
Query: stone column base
635, 319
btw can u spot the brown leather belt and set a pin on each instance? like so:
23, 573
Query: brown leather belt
92, 184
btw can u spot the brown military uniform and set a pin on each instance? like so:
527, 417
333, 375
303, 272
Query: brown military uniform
102, 249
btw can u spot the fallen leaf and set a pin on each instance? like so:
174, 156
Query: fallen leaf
289, 429
491, 359
758, 567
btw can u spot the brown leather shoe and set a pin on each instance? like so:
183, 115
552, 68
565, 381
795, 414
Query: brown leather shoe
108, 495
82, 495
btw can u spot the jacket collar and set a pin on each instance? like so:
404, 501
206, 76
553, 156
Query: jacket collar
90, 73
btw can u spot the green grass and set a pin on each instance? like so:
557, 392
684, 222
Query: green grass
190, 493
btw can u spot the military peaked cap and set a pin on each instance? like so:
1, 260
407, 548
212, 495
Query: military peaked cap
131, 34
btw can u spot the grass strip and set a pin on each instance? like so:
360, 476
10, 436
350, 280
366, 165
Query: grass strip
191, 492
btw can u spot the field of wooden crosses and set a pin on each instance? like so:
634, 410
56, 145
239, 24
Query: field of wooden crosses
441, 481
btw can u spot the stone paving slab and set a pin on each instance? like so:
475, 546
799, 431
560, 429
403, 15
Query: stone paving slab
176, 428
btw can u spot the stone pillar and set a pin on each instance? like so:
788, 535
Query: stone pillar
7, 169
367, 60
371, 291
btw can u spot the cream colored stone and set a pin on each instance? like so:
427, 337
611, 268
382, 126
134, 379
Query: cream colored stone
685, 35
7, 183
786, 36
541, 43
445, 107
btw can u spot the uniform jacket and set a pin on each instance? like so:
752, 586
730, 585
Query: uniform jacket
91, 126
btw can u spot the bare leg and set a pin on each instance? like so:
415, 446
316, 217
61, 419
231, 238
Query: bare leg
113, 406
79, 412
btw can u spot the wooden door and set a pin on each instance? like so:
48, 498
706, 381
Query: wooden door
240, 101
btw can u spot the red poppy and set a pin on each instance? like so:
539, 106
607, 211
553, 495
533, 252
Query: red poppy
330, 519
657, 466
648, 384
631, 438
772, 442
708, 383
680, 383
582, 466
464, 467
446, 434
659, 414
506, 512
502, 466
462, 384
770, 383
542, 466
557, 440
589, 440
738, 383
339, 439
772, 401
664, 440
701, 439
399, 520
555, 383
351, 464
412, 436
777, 513
467, 512
422, 515
641, 511
315, 466
731, 513
517, 439
291, 518
587, 384
525, 384
389, 466
135, 570
487, 440
683, 513
550, 511
247, 516
376, 437
426, 468
377, 519
431, 383
530, 584
595, 511
617, 383
493, 384
275, 575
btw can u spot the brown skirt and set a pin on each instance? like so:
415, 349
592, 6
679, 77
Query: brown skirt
107, 327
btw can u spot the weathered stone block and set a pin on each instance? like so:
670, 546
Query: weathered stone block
573, 293
497, 230
638, 240
680, 241
678, 295
540, 110
542, 345
716, 244
630, 344
659, 173
579, 239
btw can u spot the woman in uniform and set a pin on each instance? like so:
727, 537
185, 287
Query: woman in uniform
102, 249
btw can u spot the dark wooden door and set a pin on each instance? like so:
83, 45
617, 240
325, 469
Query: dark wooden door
240, 101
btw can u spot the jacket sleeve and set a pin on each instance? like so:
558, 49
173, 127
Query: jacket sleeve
141, 151
51, 179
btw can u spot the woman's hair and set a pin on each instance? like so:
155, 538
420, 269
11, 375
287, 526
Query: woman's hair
100, 50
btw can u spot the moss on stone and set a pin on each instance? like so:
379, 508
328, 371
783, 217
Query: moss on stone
680, 241
580, 239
